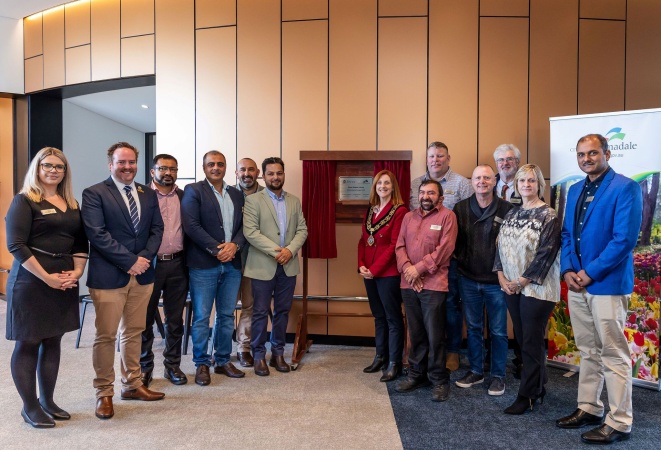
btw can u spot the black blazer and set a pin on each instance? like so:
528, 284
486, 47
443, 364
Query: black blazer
203, 224
114, 245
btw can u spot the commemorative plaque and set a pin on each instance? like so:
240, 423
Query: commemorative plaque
354, 188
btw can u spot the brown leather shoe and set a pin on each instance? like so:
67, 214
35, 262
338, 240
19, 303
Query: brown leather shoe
141, 393
202, 376
261, 369
279, 363
229, 370
245, 359
104, 409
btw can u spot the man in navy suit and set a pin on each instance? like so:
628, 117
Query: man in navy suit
212, 216
602, 222
124, 226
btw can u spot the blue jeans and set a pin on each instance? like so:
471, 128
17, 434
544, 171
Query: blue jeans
221, 284
454, 324
475, 297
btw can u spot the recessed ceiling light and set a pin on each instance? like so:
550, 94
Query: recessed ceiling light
145, 106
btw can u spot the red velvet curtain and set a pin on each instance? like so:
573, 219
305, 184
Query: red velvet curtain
319, 208
402, 171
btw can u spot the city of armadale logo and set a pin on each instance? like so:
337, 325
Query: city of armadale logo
616, 142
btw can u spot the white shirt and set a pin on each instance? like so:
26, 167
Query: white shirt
134, 193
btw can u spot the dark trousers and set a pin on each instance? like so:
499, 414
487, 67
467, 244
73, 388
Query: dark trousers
529, 319
281, 289
171, 277
385, 300
425, 316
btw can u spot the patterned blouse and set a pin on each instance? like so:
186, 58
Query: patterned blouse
528, 247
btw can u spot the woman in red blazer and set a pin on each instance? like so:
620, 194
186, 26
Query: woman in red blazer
377, 265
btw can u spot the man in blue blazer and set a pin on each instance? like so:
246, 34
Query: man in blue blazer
212, 216
602, 222
124, 226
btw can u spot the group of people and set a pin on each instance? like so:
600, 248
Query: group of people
145, 245
479, 248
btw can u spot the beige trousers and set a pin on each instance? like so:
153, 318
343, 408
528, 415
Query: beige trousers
243, 330
123, 309
598, 323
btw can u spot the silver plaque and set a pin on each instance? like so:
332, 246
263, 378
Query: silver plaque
354, 188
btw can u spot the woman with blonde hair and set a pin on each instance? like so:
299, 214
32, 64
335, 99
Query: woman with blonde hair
46, 237
378, 267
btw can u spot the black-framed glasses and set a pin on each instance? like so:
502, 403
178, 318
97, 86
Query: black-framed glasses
48, 167
164, 169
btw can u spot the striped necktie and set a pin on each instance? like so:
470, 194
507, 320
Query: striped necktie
133, 208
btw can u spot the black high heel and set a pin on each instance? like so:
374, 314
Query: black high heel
46, 423
378, 363
55, 411
541, 396
520, 405
393, 371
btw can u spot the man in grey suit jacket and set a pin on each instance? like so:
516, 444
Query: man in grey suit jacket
274, 225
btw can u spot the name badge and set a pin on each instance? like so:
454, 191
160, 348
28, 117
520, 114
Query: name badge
448, 192
436, 227
590, 198
498, 219
515, 200
46, 212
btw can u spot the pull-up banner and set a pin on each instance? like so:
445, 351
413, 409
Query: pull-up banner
634, 140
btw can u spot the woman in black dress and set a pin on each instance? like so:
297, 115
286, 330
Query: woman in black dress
46, 237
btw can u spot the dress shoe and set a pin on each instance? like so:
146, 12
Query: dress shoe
578, 419
261, 369
279, 363
379, 362
202, 376
55, 411
520, 405
604, 435
229, 370
141, 393
393, 371
410, 384
440, 392
452, 362
146, 378
46, 422
104, 409
245, 359
175, 375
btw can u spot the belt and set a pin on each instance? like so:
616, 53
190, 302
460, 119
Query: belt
169, 257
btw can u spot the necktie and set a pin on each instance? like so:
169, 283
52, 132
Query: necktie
503, 192
133, 208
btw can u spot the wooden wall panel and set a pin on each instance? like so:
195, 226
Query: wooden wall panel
138, 17
504, 8
138, 56
54, 48
453, 83
76, 24
6, 179
643, 60
604, 9
258, 76
78, 65
216, 96
600, 66
400, 8
503, 104
316, 325
304, 9
33, 27
553, 72
354, 326
105, 37
343, 278
34, 74
175, 88
402, 73
215, 13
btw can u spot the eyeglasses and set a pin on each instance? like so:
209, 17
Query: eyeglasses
509, 159
48, 167
164, 169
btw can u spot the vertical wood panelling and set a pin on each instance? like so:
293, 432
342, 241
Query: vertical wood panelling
6, 179
400, 8
33, 35
453, 82
503, 105
54, 48
105, 36
215, 116
504, 7
34, 74
355, 326
604, 9
553, 72
402, 73
316, 325
343, 278
138, 56
76, 24
258, 76
138, 17
304, 9
215, 13
175, 88
643, 40
600, 66
352, 74
78, 65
